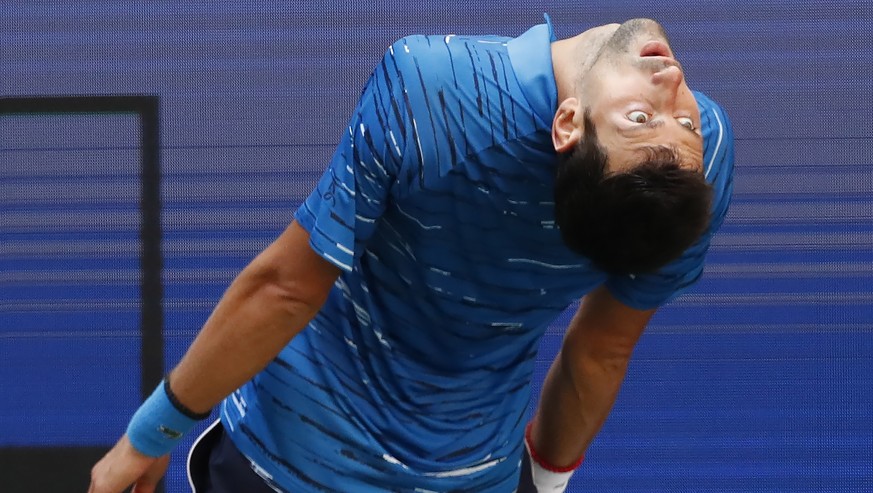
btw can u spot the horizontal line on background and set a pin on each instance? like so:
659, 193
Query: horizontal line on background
822, 167
167, 147
787, 328
171, 179
72, 205
108, 334
779, 298
82, 305
806, 138
50, 334
834, 196
66, 248
793, 241
826, 356
113, 276
85, 305
771, 268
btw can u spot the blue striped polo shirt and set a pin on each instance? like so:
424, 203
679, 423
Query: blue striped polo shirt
437, 206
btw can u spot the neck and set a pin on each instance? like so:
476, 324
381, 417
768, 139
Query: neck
573, 57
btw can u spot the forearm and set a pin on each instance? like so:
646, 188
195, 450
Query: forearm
270, 302
248, 328
577, 396
584, 380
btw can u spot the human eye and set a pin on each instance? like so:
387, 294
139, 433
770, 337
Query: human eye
638, 116
686, 122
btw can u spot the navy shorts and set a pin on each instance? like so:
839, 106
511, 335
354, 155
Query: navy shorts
216, 466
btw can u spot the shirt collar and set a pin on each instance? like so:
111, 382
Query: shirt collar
531, 58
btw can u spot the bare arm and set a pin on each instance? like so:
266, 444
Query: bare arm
585, 377
268, 303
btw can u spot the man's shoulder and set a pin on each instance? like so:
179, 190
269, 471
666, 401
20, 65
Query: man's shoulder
462, 96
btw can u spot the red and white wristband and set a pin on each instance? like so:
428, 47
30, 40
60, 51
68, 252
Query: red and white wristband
548, 478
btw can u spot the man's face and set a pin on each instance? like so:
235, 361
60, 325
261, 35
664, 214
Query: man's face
637, 97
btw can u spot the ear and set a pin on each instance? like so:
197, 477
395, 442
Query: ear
566, 127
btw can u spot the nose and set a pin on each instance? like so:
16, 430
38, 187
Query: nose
669, 78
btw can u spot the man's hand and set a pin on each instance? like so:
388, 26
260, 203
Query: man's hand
124, 466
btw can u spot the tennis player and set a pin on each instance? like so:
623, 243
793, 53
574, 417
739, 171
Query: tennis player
385, 341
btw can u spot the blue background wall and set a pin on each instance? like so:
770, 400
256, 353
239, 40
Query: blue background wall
761, 379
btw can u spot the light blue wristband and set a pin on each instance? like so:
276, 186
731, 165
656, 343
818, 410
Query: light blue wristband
157, 426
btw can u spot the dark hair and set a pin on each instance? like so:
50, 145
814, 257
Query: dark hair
633, 221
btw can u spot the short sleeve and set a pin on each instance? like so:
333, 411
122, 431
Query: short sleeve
342, 211
652, 290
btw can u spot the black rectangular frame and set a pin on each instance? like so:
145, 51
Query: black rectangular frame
35, 465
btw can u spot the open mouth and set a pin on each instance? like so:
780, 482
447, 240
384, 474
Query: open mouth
656, 48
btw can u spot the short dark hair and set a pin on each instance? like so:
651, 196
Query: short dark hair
633, 221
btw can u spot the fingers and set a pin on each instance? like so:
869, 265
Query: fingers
148, 482
123, 466
97, 474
